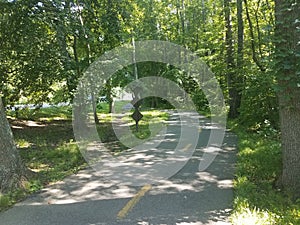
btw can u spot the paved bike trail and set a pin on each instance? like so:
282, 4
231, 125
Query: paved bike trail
188, 197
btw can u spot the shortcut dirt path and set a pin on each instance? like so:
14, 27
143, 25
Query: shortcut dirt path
188, 197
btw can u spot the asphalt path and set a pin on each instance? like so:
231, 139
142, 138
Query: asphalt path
188, 197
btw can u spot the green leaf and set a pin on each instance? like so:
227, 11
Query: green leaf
287, 66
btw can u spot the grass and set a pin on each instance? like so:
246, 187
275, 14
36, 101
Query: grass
46, 143
257, 201
45, 114
102, 107
150, 125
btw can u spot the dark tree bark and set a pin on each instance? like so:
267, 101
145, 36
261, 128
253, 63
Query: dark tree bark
253, 45
240, 54
239, 78
12, 171
258, 29
287, 72
231, 75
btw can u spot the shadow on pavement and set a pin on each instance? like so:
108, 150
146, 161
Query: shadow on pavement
188, 197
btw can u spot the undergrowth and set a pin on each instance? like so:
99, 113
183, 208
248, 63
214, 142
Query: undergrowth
257, 200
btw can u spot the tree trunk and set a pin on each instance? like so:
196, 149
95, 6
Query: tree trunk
287, 72
12, 170
290, 140
253, 45
88, 55
238, 83
109, 95
233, 93
94, 104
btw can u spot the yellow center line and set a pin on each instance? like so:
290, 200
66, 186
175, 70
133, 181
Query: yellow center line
123, 212
187, 147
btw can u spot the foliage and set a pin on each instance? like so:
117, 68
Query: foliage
259, 164
29, 55
73, 34
259, 107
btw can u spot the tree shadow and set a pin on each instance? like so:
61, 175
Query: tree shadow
188, 197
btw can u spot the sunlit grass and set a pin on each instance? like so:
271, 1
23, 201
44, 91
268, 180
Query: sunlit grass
22, 143
44, 114
252, 216
103, 107
257, 200
149, 126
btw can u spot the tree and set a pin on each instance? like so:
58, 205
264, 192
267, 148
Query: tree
253, 45
287, 56
233, 93
29, 57
237, 92
12, 171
